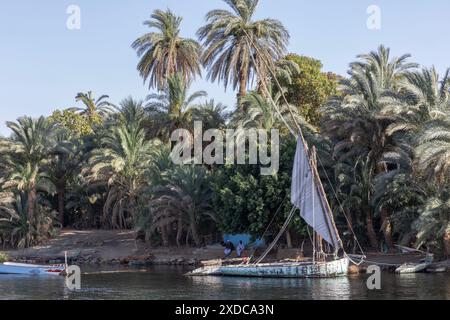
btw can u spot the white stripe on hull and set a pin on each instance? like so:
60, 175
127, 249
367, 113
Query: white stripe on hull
279, 270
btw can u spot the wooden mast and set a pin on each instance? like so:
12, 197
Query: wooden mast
325, 203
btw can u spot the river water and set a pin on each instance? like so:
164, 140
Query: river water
169, 283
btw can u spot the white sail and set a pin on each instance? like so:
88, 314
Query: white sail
306, 197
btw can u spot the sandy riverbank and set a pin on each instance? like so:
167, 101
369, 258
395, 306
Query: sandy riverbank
120, 248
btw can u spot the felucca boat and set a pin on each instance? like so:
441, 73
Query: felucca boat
308, 196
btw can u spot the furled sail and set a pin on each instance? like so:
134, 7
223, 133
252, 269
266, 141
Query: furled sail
305, 196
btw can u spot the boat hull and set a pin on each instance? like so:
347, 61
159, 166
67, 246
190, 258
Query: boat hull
327, 269
412, 268
29, 269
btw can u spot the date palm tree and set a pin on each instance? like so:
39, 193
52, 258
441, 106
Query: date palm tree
120, 164
365, 124
259, 112
15, 226
433, 224
213, 115
165, 53
67, 160
425, 96
173, 108
185, 199
95, 109
25, 156
236, 45
433, 150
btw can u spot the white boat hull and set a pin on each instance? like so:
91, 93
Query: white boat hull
30, 269
412, 268
327, 269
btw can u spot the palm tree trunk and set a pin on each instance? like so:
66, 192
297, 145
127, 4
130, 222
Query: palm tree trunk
61, 195
242, 87
164, 236
288, 239
31, 204
371, 232
179, 231
194, 231
447, 242
386, 228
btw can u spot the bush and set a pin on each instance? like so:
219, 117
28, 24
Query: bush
3, 257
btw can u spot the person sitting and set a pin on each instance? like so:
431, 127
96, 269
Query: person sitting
240, 248
229, 247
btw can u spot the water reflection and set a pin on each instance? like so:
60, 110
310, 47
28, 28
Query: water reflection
333, 288
171, 284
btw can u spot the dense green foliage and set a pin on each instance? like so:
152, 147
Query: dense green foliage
3, 257
310, 88
382, 136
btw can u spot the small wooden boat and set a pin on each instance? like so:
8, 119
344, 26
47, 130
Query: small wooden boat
31, 269
416, 267
412, 267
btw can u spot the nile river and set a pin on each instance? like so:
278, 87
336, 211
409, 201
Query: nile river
170, 283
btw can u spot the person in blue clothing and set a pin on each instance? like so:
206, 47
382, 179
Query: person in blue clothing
229, 248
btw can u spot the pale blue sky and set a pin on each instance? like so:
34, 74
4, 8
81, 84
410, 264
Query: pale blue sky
43, 64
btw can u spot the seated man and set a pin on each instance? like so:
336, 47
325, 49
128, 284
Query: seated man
229, 247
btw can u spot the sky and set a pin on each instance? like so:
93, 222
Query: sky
43, 64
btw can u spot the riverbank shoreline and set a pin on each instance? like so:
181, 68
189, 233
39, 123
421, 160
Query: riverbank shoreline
120, 248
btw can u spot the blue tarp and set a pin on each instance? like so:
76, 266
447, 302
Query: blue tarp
245, 238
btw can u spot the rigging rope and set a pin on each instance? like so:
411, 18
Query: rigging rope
269, 95
267, 229
270, 247
267, 65
340, 205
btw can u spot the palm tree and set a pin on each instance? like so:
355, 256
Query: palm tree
424, 97
172, 109
121, 163
25, 156
364, 124
383, 69
15, 226
433, 151
66, 161
354, 187
433, 224
259, 112
94, 109
165, 53
185, 199
213, 115
239, 48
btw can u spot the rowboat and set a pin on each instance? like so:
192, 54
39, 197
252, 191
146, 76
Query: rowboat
412, 267
31, 269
